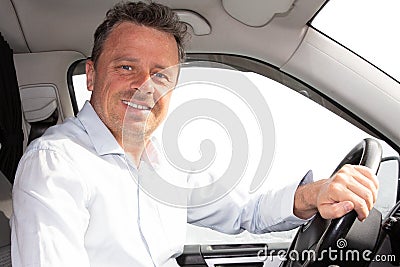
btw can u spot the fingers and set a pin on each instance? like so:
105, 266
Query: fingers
361, 192
336, 210
367, 172
365, 176
348, 200
352, 187
360, 181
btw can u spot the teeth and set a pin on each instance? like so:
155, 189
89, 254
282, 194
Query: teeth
133, 105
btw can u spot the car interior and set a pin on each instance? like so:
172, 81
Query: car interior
44, 43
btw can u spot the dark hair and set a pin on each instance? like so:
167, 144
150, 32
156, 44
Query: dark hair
151, 15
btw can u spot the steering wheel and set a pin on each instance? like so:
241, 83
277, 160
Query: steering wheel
320, 234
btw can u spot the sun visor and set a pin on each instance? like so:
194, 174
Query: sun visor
256, 13
38, 101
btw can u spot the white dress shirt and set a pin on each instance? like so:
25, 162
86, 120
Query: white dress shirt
76, 204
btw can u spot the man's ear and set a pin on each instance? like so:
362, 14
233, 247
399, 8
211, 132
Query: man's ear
90, 74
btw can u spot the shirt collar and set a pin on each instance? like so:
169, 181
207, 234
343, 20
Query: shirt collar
105, 143
102, 139
152, 153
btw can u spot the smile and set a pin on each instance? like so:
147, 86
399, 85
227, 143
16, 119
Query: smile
133, 105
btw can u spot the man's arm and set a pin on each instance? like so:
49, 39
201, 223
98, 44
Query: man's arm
50, 216
352, 187
259, 213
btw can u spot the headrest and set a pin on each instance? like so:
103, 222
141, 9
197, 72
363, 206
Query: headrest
38, 101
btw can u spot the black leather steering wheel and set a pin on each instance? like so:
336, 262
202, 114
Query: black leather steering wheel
320, 234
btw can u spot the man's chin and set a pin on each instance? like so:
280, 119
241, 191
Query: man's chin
136, 131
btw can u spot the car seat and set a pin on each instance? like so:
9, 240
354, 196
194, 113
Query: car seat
5, 214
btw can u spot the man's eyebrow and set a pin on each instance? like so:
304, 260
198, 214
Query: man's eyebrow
163, 67
131, 59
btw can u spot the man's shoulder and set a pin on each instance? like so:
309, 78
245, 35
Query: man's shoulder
62, 137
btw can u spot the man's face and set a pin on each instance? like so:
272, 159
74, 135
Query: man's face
132, 81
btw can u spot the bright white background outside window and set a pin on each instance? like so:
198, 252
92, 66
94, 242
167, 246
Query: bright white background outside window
370, 28
306, 133
80, 89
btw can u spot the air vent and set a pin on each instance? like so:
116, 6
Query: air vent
392, 219
392, 228
396, 214
396, 211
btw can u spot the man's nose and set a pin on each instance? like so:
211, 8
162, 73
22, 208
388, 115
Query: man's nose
143, 83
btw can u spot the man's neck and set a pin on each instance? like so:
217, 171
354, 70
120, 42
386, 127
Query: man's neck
135, 148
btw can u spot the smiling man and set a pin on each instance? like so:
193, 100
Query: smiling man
75, 200
131, 82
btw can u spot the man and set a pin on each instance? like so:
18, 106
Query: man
76, 196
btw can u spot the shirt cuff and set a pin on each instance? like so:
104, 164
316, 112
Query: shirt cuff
276, 207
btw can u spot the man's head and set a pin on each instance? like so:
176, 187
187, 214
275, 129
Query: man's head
134, 67
152, 15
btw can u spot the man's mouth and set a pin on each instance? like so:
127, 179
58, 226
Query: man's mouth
134, 105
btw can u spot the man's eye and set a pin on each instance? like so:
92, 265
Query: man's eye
126, 67
160, 76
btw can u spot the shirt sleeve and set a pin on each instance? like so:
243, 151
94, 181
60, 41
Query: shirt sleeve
263, 213
49, 212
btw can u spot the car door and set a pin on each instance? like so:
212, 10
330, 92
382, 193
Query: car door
288, 128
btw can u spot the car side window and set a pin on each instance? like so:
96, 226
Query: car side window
76, 79
342, 21
82, 94
278, 116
